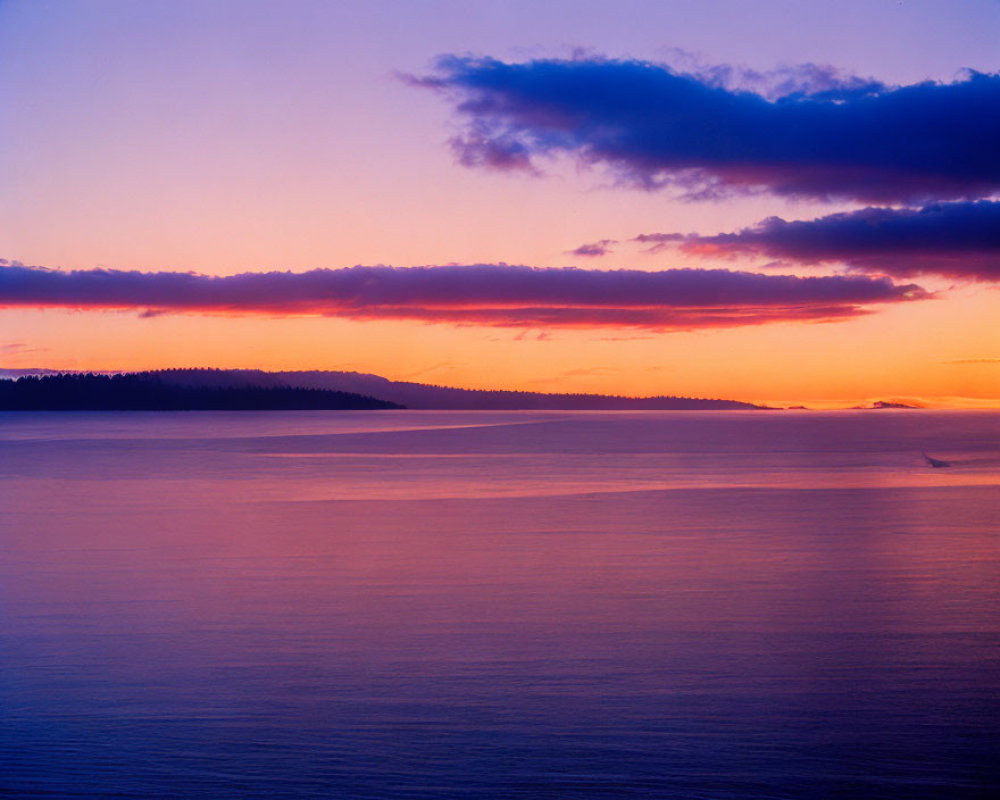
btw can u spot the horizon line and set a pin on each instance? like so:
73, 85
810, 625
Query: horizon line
917, 402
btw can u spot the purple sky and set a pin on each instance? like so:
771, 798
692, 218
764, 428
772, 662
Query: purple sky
155, 139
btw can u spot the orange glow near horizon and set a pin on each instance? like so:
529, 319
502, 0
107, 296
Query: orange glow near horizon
940, 363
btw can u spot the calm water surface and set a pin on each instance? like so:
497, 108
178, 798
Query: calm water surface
499, 605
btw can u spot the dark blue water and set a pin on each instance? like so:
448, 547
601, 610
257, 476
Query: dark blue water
444, 605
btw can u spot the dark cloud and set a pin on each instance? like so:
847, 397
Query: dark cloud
958, 240
828, 135
593, 249
480, 294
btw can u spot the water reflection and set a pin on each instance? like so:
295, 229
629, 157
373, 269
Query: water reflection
191, 616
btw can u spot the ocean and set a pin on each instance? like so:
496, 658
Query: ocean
696, 605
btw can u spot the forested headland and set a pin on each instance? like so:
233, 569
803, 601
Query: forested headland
144, 392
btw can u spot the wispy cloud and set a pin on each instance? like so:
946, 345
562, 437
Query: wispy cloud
593, 249
814, 132
539, 336
497, 295
19, 347
659, 241
439, 367
958, 239
819, 81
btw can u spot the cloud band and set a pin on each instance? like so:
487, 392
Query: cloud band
957, 240
480, 294
653, 126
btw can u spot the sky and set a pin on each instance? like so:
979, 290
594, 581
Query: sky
781, 202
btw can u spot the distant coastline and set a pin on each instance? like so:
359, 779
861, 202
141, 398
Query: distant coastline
147, 392
213, 389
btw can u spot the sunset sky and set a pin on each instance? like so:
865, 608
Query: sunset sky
785, 202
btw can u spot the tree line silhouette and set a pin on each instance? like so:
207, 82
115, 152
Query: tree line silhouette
430, 396
142, 392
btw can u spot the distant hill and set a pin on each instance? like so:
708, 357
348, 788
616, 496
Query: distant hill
151, 392
425, 396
